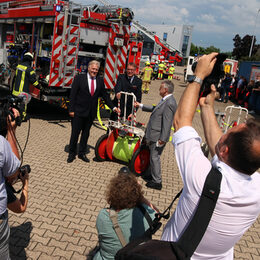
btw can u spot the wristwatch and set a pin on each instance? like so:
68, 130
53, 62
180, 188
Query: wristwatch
194, 78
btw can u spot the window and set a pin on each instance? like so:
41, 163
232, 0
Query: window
185, 44
165, 36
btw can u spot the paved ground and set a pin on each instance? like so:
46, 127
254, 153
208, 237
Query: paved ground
66, 198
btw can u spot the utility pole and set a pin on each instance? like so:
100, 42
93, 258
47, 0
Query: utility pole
253, 38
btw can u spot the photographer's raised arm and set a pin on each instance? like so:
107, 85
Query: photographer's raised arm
188, 103
211, 128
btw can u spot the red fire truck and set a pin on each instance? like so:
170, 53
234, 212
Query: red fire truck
64, 37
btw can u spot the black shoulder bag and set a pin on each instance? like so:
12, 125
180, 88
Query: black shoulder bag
146, 249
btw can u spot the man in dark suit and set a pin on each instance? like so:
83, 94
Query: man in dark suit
130, 83
158, 130
85, 91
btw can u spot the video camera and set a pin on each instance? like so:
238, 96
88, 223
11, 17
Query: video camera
6, 105
215, 76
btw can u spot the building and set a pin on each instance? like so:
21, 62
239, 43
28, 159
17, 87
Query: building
178, 36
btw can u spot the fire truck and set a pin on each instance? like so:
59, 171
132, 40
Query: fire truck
163, 50
64, 37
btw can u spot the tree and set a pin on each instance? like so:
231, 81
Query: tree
210, 49
193, 49
198, 50
242, 46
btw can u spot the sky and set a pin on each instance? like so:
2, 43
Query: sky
215, 22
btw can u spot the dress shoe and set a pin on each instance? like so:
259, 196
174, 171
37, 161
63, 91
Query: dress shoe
71, 158
154, 185
147, 177
83, 157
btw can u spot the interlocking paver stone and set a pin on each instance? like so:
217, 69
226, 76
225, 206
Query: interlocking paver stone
64, 199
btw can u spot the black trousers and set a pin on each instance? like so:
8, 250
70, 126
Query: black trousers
83, 125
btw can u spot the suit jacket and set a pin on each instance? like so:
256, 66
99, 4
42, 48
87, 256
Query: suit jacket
81, 101
160, 122
124, 84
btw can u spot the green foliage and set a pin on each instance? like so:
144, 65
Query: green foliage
210, 49
201, 50
229, 54
242, 47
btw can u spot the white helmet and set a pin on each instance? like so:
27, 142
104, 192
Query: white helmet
29, 55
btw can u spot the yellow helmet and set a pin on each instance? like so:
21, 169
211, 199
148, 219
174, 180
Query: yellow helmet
147, 63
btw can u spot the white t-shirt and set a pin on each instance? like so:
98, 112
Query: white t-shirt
237, 208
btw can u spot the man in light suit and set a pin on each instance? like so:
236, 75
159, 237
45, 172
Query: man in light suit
85, 91
158, 130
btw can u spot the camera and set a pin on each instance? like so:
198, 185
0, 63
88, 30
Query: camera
215, 76
25, 169
6, 105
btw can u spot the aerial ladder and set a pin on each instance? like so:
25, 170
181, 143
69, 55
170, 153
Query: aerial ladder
161, 46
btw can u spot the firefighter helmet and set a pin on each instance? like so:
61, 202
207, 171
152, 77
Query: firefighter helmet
147, 63
28, 54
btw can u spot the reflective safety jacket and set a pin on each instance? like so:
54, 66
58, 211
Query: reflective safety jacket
171, 70
24, 76
161, 66
147, 73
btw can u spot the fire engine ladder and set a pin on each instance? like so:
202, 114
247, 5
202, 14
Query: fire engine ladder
152, 35
73, 15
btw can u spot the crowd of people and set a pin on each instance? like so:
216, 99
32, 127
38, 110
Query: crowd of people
236, 154
241, 92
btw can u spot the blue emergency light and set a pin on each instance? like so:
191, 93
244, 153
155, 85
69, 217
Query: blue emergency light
58, 8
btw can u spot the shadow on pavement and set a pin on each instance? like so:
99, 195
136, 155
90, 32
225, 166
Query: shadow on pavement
19, 240
66, 148
45, 111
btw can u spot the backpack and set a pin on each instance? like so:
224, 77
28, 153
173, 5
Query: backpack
149, 249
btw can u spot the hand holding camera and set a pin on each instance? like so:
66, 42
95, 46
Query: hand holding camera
14, 115
210, 69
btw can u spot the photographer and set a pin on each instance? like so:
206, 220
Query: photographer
9, 169
237, 156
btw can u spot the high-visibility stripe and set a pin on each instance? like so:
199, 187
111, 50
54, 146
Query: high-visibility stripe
23, 69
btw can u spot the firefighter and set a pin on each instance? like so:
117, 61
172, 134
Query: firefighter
170, 72
12, 56
146, 77
24, 76
161, 70
155, 70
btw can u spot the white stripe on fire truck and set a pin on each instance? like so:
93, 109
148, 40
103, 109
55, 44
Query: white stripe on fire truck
108, 83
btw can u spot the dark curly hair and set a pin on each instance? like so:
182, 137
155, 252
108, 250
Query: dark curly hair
124, 192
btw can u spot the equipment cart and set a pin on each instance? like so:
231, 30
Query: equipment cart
124, 140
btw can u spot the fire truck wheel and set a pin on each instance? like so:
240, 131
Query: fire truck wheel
100, 148
140, 160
